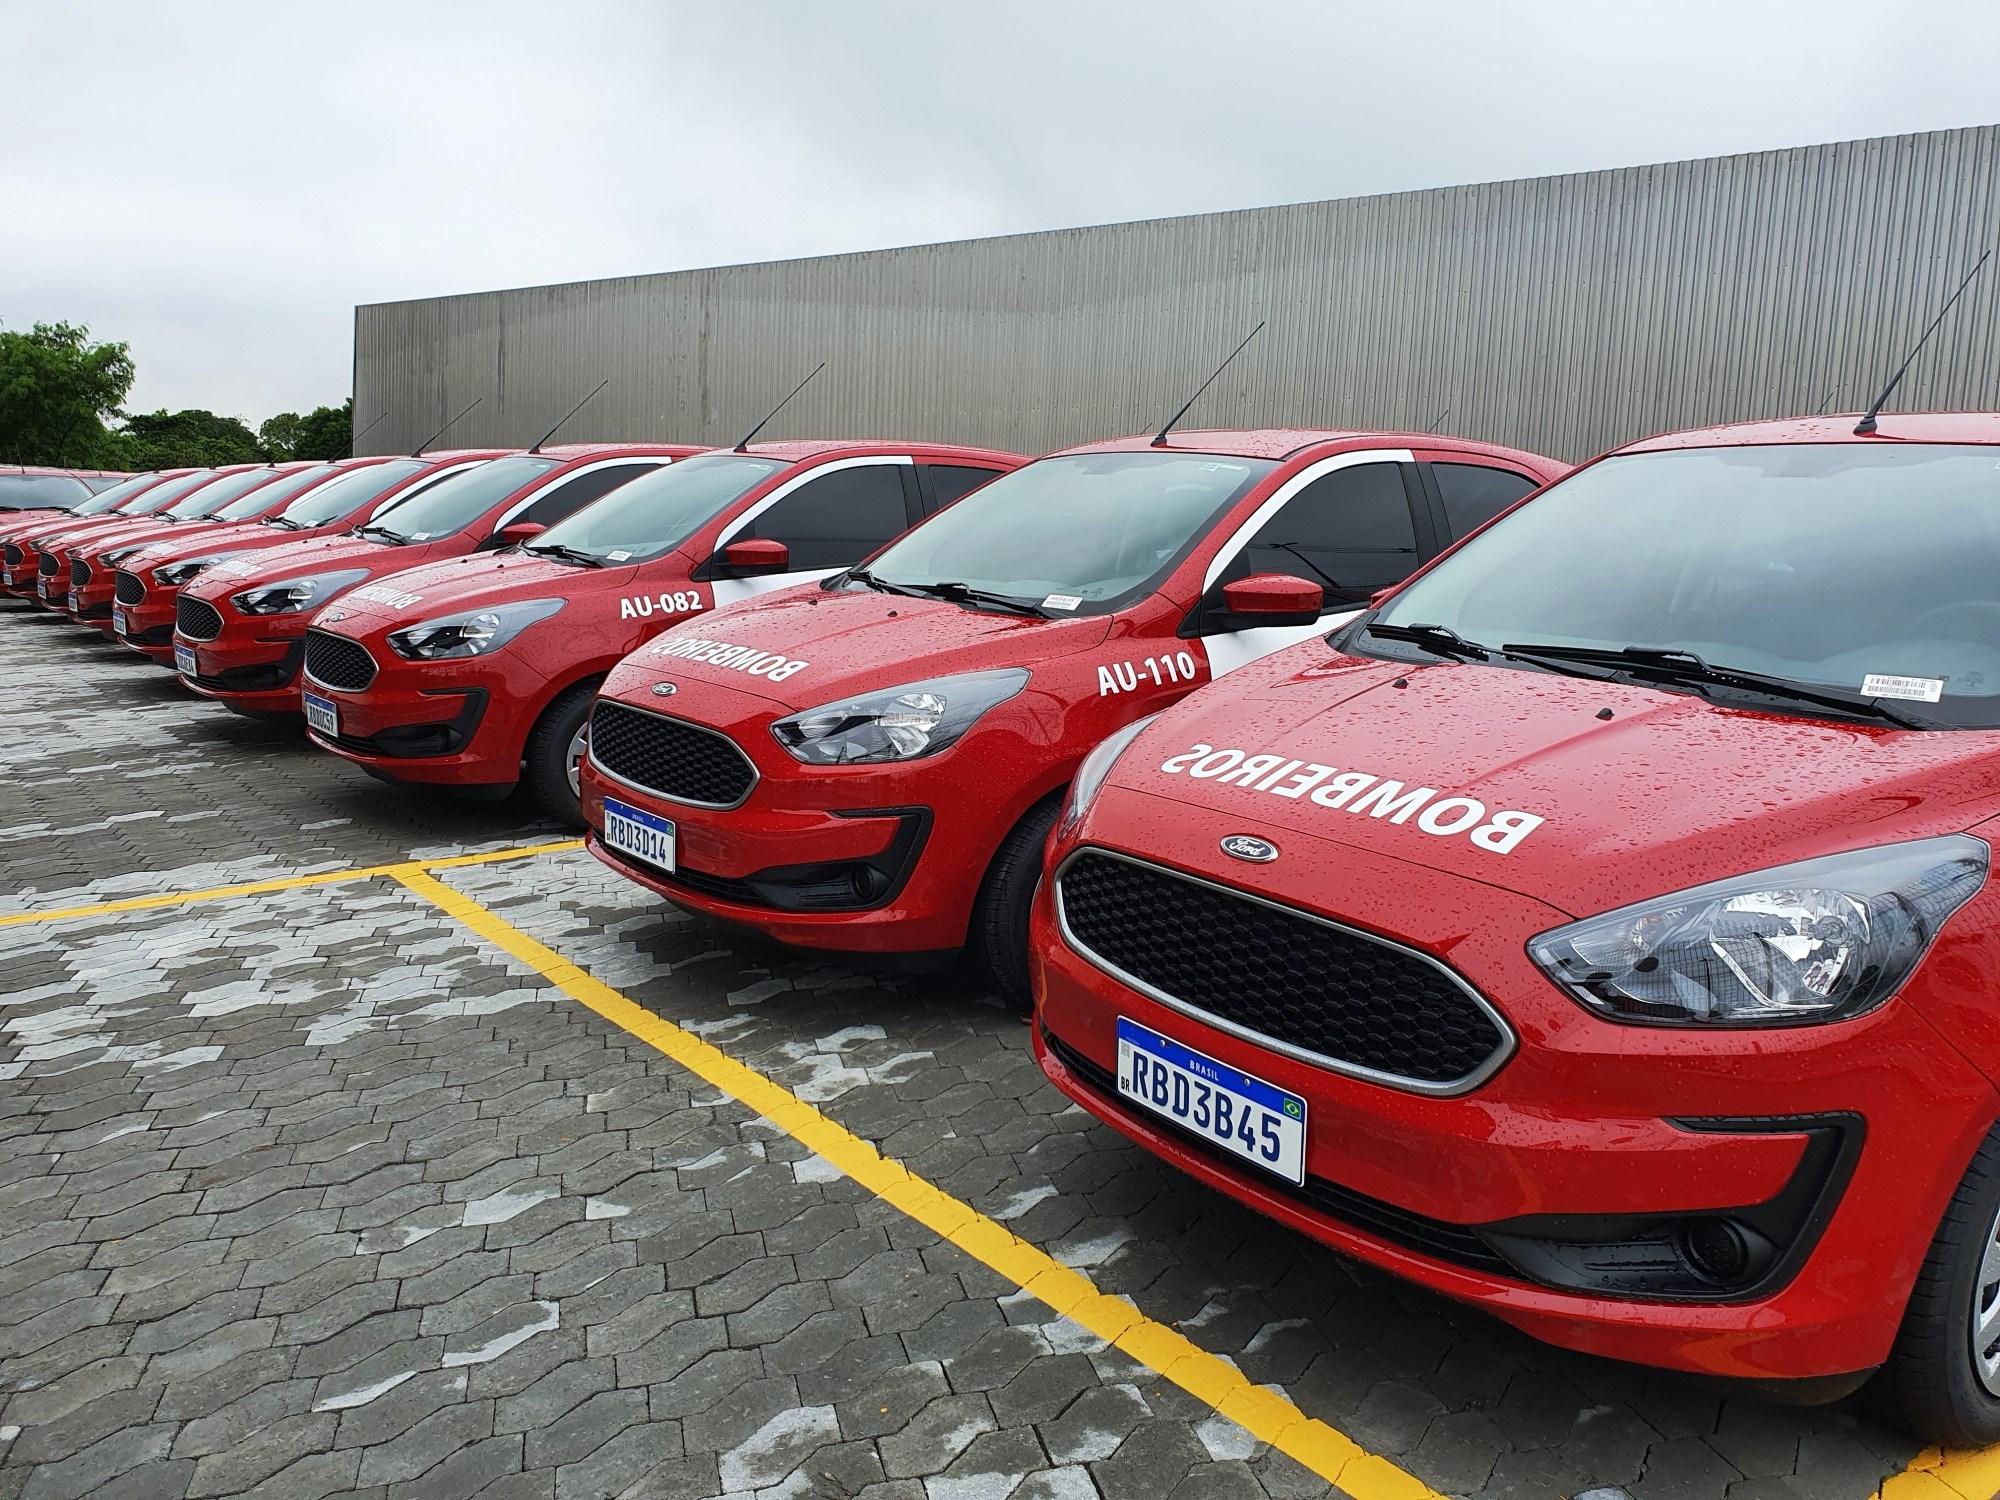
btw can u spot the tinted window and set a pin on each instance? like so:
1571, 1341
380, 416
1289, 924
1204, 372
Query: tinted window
457, 502
40, 491
838, 518
1474, 494
265, 496
566, 499
339, 499
163, 495
98, 483
656, 513
211, 497
951, 482
1349, 531
114, 497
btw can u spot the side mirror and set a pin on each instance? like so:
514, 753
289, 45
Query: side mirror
754, 555
1271, 599
516, 532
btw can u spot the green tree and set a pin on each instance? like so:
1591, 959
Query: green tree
279, 436
172, 440
56, 390
323, 432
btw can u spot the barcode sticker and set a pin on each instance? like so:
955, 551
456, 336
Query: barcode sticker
1915, 689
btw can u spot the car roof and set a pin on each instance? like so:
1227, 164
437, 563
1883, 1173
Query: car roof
1893, 427
449, 455
568, 452
793, 449
1287, 442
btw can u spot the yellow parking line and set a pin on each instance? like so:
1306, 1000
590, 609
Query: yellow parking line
1947, 1476
1267, 1415
284, 883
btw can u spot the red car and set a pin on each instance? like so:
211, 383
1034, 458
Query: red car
1599, 929
50, 542
240, 625
20, 557
872, 763
146, 584
233, 494
448, 675
37, 490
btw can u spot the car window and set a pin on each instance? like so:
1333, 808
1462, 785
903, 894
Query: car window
349, 495
211, 497
98, 483
40, 491
835, 519
111, 499
161, 496
1349, 531
951, 482
457, 502
562, 500
657, 512
1474, 494
265, 496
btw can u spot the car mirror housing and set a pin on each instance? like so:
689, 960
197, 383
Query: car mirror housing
754, 555
1272, 599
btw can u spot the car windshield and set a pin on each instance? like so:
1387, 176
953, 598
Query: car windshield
161, 496
1100, 529
338, 499
114, 497
658, 511
262, 498
455, 503
210, 498
1829, 565
41, 492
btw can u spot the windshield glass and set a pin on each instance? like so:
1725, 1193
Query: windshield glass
114, 497
656, 512
210, 498
161, 496
1102, 528
455, 503
339, 499
262, 498
41, 492
1826, 564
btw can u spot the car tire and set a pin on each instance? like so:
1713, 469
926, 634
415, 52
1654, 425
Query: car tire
999, 938
1932, 1383
549, 764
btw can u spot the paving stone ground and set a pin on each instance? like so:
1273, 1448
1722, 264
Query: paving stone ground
315, 1193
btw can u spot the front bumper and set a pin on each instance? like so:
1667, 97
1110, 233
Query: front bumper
449, 723
1586, 1130
253, 665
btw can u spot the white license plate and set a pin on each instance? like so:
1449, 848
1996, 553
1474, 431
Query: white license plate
118, 621
633, 830
75, 600
42, 587
1244, 1115
323, 714
184, 662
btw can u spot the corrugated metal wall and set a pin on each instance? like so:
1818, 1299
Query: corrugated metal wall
1564, 314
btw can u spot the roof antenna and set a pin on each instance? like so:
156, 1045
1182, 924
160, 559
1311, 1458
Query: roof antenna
418, 451
567, 415
743, 443
1438, 420
348, 451
1866, 425
1160, 439
1827, 400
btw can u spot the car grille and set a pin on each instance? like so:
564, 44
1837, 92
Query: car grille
197, 619
336, 662
1322, 992
11, 554
47, 566
128, 588
670, 756
79, 572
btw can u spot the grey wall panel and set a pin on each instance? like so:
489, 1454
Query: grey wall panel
1565, 314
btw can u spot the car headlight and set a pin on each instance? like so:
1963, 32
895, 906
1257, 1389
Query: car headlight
899, 723
1821, 940
174, 574
473, 633
113, 558
1096, 766
297, 594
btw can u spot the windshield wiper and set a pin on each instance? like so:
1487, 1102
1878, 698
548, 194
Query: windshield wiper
1439, 640
965, 593
567, 554
1669, 664
393, 538
285, 521
882, 585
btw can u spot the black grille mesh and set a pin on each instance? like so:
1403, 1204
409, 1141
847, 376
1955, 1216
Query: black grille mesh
337, 661
668, 756
11, 554
47, 566
1279, 974
128, 588
197, 619
79, 572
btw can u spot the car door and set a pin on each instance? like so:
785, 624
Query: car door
831, 517
1352, 523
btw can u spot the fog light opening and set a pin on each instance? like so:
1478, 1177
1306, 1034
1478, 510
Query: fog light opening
1719, 1249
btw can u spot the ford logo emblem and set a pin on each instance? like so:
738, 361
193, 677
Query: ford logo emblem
334, 614
1247, 846
664, 690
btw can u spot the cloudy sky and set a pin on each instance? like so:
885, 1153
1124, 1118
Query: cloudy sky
218, 184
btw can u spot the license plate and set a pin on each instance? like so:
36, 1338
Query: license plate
184, 661
323, 714
633, 830
75, 600
118, 621
1244, 1115
42, 587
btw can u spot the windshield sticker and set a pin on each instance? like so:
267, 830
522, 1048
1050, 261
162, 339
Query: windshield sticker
1062, 601
1915, 689
1156, 671
722, 654
618, 554
645, 606
1497, 831
381, 593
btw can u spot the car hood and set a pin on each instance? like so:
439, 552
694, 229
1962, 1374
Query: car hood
139, 531
1584, 795
71, 534
227, 536
295, 560
836, 643
455, 584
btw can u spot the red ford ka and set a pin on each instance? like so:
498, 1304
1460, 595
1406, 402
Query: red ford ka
1600, 929
19, 526
240, 625
25, 539
873, 763
479, 672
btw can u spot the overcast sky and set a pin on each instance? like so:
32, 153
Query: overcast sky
219, 184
